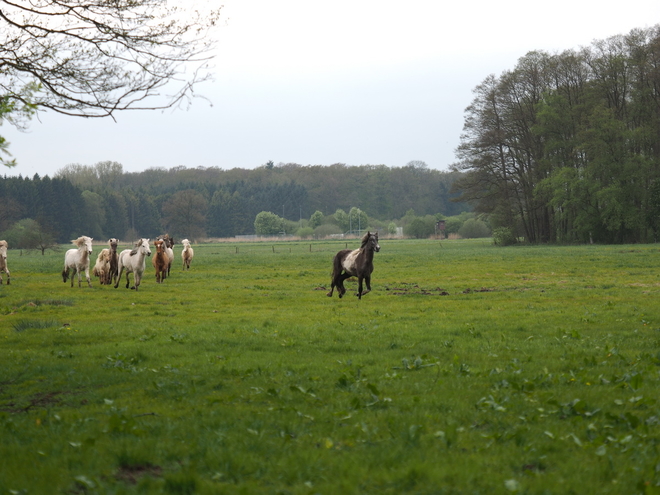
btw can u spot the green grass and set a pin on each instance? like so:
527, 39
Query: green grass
467, 369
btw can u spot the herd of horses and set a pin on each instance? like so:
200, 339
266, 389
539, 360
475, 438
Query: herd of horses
110, 265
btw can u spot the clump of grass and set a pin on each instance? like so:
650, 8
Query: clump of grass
22, 325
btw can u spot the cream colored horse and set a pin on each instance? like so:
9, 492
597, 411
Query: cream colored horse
187, 254
3, 261
132, 260
78, 260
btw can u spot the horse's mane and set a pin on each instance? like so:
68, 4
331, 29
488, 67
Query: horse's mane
135, 249
81, 240
365, 239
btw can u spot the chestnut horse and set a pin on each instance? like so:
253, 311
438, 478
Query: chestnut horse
355, 263
160, 261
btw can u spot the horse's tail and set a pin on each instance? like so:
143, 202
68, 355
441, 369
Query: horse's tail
336, 271
65, 275
336, 266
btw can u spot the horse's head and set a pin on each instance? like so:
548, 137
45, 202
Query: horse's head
87, 242
374, 239
112, 242
3, 249
370, 241
144, 246
158, 243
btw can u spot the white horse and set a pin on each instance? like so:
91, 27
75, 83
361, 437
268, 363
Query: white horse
3, 261
78, 260
187, 254
132, 260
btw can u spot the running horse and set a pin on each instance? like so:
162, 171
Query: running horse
355, 263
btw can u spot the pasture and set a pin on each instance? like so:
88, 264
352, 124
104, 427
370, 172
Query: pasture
467, 369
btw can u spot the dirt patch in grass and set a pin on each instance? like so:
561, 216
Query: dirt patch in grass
405, 289
132, 474
37, 401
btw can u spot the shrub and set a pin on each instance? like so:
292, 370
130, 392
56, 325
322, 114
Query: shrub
327, 229
502, 236
473, 229
305, 232
419, 228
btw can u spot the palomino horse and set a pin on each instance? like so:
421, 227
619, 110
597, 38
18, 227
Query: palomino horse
106, 263
187, 254
355, 263
3, 261
78, 260
102, 266
132, 260
160, 261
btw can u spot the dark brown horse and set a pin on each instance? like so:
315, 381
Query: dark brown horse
355, 263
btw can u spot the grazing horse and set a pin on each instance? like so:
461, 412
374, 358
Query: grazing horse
3, 261
77, 260
187, 254
160, 261
132, 260
355, 263
112, 272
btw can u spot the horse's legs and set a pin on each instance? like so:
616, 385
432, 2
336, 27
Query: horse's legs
118, 279
89, 281
367, 281
340, 283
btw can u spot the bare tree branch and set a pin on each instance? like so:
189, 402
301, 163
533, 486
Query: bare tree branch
91, 58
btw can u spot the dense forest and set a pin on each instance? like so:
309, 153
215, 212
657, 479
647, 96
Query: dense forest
103, 201
566, 147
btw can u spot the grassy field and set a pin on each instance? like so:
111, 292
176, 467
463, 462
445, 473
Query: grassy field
467, 369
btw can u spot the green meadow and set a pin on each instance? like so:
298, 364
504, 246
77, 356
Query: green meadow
468, 369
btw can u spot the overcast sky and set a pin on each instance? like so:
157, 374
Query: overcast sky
316, 82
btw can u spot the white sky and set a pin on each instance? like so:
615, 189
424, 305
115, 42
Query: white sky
318, 82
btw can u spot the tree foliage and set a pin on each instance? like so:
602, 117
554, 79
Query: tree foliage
92, 58
268, 223
564, 147
28, 234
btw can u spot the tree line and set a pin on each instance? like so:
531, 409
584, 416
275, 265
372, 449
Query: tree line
103, 201
566, 147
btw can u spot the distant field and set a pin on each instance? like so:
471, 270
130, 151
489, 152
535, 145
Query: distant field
467, 369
